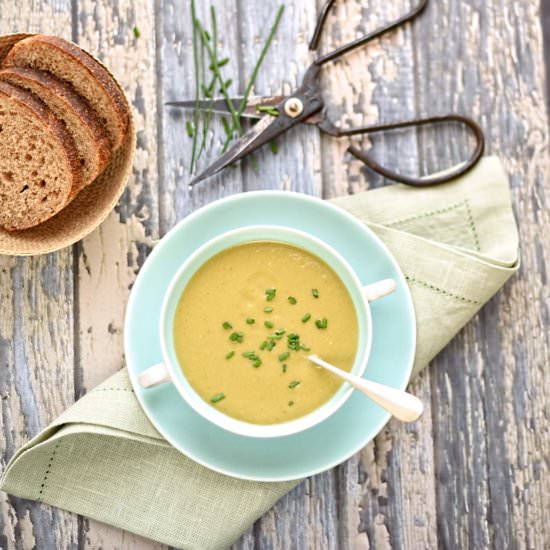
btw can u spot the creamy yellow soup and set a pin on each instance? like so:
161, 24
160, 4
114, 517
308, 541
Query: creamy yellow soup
248, 319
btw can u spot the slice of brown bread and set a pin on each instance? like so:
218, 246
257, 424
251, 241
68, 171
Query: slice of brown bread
38, 160
80, 119
92, 81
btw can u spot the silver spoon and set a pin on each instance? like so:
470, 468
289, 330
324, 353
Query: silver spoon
404, 406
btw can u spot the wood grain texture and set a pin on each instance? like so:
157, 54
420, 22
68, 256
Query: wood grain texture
36, 338
474, 471
110, 258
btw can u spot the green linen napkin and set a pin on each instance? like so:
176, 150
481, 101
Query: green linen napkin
457, 244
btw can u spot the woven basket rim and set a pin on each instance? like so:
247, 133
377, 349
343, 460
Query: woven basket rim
28, 242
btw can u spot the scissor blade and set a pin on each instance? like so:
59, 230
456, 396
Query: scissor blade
261, 133
219, 105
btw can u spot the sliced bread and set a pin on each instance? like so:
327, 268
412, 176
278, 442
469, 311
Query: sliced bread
80, 119
38, 160
91, 80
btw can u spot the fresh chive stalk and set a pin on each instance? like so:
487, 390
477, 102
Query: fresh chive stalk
252, 80
197, 83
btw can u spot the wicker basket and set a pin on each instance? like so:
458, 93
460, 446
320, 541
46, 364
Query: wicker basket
90, 207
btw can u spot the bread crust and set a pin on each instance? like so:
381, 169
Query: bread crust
47, 120
87, 64
44, 85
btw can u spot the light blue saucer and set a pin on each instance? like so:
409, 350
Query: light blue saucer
324, 445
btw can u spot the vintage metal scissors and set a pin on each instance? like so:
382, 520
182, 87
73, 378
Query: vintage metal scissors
306, 105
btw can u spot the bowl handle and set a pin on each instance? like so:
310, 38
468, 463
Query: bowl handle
379, 289
154, 376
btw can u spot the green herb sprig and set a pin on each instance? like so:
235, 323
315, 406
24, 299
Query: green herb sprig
263, 53
203, 41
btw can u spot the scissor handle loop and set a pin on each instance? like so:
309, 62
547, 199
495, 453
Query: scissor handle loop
421, 181
342, 50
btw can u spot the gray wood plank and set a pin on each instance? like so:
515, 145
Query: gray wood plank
490, 438
36, 338
177, 82
306, 518
109, 259
386, 493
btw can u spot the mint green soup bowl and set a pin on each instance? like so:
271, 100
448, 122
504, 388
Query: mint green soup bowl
169, 371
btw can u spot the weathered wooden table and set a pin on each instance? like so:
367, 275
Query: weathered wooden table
474, 472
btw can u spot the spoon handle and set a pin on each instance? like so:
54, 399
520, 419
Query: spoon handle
404, 406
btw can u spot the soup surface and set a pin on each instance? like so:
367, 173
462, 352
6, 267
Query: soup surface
248, 319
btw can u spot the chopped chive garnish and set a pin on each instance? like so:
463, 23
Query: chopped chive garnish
268, 309
315, 293
263, 345
268, 324
285, 367
305, 348
267, 109
257, 363
284, 356
227, 326
293, 341
249, 354
250, 321
292, 300
306, 317
217, 398
290, 403
270, 345
136, 32
189, 128
293, 384
280, 332
321, 323
237, 337
270, 294
230, 354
